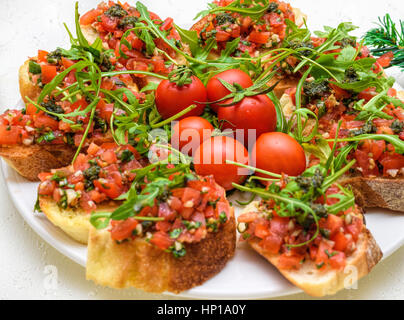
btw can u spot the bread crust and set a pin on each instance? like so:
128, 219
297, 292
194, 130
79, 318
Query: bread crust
141, 265
382, 192
29, 161
319, 283
27, 88
75, 223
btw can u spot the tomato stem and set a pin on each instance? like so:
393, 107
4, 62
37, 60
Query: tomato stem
173, 118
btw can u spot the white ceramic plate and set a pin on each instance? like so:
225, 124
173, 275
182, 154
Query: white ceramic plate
246, 276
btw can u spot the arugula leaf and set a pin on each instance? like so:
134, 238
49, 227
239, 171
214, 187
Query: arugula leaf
190, 38
34, 67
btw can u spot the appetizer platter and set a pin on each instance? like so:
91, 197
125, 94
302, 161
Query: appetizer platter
245, 157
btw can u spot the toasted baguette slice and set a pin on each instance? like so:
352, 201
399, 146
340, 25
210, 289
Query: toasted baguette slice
27, 87
75, 223
381, 192
31, 160
91, 35
283, 83
300, 18
141, 265
319, 283
32, 91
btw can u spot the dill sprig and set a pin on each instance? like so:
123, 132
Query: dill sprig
388, 36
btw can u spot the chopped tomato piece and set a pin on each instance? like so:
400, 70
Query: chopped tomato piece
259, 37
287, 262
42, 56
355, 228
279, 226
261, 229
9, 135
341, 241
48, 73
93, 149
161, 240
44, 121
191, 195
122, 230
271, 242
165, 212
109, 156
334, 223
109, 188
108, 23
90, 17
385, 60
338, 261
46, 188
222, 36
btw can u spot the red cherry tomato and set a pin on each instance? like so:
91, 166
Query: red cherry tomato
172, 99
257, 112
189, 133
217, 91
210, 159
279, 153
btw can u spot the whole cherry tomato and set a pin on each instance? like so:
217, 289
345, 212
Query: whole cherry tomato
210, 159
279, 153
216, 90
257, 112
189, 133
172, 99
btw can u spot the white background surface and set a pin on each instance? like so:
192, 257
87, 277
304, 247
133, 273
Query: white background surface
25, 259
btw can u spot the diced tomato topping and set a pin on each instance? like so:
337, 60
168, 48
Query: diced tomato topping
109, 156
385, 60
222, 36
109, 24
338, 261
90, 17
334, 223
259, 37
122, 230
341, 241
161, 240
48, 73
289, 262
355, 228
271, 242
9, 135
42, 56
109, 188
46, 188
43, 121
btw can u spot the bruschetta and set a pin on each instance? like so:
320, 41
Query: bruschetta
68, 195
256, 36
318, 251
36, 139
190, 226
190, 245
120, 28
377, 178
